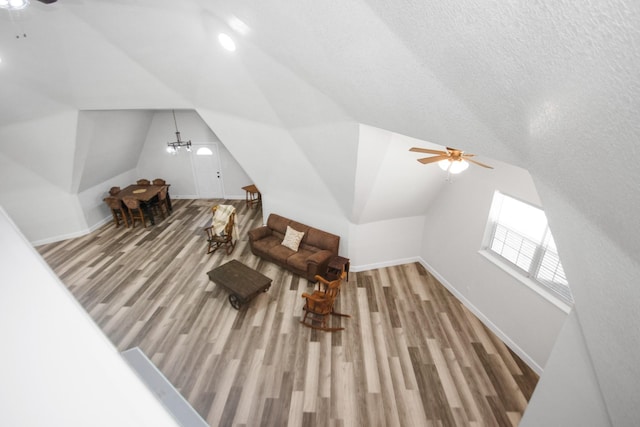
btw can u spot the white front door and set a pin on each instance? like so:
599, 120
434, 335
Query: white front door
206, 170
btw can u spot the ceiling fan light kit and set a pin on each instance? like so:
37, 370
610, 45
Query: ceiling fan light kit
453, 166
452, 161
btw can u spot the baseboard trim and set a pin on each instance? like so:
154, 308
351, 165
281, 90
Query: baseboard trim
184, 196
73, 235
484, 319
384, 264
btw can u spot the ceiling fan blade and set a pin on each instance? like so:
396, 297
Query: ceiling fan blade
433, 159
426, 150
478, 163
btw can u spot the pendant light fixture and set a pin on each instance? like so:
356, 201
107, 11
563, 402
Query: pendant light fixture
14, 4
174, 147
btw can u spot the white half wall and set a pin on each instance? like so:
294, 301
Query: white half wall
568, 394
604, 280
58, 368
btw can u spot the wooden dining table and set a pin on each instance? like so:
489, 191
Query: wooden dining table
144, 194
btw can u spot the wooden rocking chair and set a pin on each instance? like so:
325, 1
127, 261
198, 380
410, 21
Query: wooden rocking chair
224, 238
319, 305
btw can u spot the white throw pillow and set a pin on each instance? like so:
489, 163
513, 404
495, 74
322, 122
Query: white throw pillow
292, 239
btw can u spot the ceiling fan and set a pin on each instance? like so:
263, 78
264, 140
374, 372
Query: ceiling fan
452, 160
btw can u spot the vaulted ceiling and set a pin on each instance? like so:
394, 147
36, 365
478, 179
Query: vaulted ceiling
552, 86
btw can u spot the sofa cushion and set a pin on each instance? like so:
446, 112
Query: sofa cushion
292, 239
265, 244
300, 227
280, 253
299, 259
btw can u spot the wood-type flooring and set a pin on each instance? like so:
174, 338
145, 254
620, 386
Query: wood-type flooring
411, 354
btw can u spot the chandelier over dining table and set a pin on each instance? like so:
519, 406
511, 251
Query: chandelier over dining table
174, 147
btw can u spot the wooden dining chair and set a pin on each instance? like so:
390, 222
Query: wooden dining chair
159, 181
117, 210
143, 182
160, 203
114, 190
135, 211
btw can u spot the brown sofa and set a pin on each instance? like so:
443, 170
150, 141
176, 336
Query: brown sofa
316, 248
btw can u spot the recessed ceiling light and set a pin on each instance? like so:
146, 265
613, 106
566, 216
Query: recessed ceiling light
227, 42
14, 4
237, 25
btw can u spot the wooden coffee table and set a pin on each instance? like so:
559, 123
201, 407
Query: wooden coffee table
242, 282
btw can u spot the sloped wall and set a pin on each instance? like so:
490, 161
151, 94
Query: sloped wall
59, 369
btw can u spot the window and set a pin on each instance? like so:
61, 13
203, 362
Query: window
518, 234
204, 151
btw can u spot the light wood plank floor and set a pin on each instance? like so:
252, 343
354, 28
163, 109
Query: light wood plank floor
411, 355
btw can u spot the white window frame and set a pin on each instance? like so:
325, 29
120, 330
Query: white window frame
497, 234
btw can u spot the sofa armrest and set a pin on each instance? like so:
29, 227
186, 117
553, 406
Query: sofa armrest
259, 233
320, 257
318, 262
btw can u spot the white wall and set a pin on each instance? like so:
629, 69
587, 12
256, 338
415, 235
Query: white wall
176, 169
38, 207
58, 369
390, 182
453, 232
385, 243
289, 182
233, 176
96, 212
108, 143
36, 174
